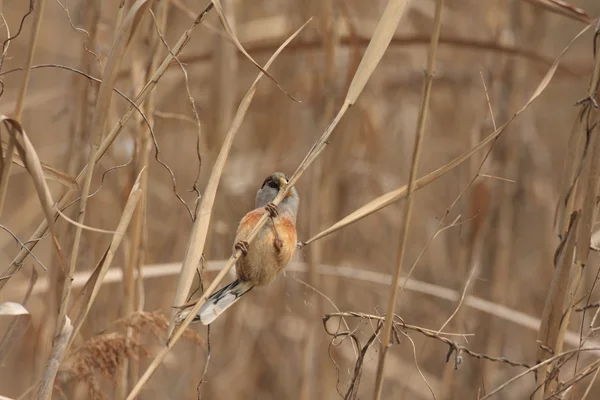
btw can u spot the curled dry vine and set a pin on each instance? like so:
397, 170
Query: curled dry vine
400, 327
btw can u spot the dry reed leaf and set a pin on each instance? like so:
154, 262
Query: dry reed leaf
12, 308
194, 251
83, 226
32, 164
58, 350
19, 325
384, 32
106, 143
236, 42
137, 19
83, 303
204, 210
552, 316
564, 8
400, 193
589, 188
50, 173
567, 180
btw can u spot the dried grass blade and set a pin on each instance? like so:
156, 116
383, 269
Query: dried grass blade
141, 97
193, 255
400, 193
563, 8
20, 324
83, 303
552, 316
12, 308
236, 42
384, 32
50, 173
32, 164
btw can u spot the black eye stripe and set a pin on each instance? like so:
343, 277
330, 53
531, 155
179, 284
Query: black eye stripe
273, 182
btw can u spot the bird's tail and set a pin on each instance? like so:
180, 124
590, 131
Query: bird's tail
220, 301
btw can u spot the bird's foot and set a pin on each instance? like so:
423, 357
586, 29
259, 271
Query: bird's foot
278, 243
242, 246
272, 210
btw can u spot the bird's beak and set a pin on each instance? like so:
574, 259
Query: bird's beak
283, 182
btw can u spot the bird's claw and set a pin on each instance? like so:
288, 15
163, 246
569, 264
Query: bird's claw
242, 246
278, 244
272, 210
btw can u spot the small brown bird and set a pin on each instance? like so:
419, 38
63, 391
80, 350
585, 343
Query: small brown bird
266, 256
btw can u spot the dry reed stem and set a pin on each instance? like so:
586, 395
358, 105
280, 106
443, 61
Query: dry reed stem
7, 162
83, 303
231, 34
552, 317
535, 368
138, 233
573, 251
140, 98
313, 358
355, 41
99, 120
58, 350
194, 253
499, 311
33, 165
407, 212
589, 388
400, 193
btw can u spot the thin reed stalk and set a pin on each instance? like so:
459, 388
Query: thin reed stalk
107, 142
8, 158
391, 306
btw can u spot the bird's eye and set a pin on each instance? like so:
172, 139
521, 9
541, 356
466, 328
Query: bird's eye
274, 185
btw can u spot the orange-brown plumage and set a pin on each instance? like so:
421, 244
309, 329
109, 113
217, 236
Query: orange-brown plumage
270, 251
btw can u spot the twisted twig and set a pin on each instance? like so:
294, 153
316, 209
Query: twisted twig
454, 347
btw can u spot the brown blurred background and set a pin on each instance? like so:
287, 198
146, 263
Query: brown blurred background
272, 345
